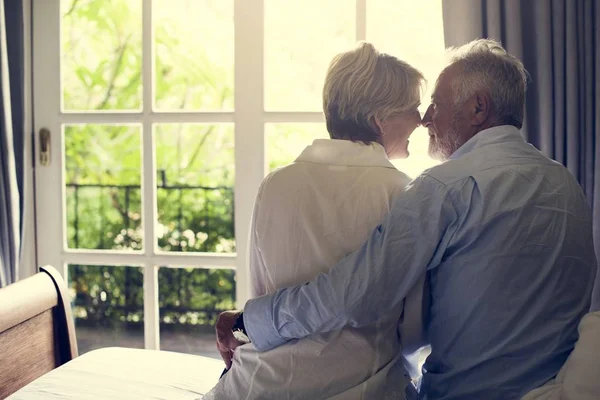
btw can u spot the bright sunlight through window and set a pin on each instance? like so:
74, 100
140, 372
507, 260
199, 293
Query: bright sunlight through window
171, 113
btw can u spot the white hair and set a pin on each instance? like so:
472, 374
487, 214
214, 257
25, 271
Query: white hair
363, 84
486, 65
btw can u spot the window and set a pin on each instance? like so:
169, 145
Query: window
165, 116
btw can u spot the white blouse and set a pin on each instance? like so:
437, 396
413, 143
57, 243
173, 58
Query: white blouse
308, 216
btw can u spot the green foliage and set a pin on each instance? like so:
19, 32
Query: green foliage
102, 70
194, 296
284, 141
102, 54
195, 171
112, 296
107, 295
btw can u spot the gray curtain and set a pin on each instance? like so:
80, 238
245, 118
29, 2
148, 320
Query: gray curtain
559, 44
11, 138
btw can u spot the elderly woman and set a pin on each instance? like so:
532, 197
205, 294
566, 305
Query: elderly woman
311, 213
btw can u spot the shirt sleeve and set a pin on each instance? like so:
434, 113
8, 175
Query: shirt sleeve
368, 284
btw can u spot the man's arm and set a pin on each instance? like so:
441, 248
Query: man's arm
368, 284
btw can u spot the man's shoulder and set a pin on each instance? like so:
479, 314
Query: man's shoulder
500, 176
445, 174
484, 165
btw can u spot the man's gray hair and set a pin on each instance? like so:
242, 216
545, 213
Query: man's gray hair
488, 66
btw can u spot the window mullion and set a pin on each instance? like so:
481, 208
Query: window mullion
151, 312
361, 20
249, 126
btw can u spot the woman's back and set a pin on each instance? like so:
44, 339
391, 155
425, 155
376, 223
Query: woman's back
307, 217
312, 213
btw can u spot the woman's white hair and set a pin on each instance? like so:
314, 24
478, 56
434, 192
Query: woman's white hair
486, 65
363, 84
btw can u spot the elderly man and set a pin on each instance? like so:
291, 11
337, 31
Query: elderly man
504, 233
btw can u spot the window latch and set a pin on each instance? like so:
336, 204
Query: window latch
44, 147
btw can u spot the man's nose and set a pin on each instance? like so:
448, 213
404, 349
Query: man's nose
419, 118
426, 120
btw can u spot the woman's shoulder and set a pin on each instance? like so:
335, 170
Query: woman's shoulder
281, 173
394, 176
281, 177
295, 173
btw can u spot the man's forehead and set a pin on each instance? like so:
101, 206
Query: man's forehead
439, 89
442, 84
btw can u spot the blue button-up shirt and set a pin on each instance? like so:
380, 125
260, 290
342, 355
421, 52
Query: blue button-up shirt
506, 235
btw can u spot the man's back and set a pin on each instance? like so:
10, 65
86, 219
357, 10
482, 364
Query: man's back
506, 236
515, 277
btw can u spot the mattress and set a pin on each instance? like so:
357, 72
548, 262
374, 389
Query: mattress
119, 373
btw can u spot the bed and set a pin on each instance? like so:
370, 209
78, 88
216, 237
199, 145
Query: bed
39, 357
36, 329
132, 374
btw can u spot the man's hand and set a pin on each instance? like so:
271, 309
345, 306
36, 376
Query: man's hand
226, 342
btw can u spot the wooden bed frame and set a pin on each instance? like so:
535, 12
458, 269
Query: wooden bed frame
37, 333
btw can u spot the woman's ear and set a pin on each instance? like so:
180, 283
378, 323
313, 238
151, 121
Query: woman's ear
379, 124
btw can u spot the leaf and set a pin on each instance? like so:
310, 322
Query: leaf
85, 76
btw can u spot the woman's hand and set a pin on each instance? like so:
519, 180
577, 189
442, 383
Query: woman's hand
226, 342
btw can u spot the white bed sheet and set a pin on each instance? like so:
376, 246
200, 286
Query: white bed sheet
119, 373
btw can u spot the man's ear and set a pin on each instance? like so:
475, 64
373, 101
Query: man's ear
481, 108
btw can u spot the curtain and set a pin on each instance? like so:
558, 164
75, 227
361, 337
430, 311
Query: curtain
11, 138
559, 44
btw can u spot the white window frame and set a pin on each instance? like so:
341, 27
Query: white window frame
249, 119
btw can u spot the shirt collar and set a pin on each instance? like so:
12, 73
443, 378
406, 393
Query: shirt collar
345, 153
496, 134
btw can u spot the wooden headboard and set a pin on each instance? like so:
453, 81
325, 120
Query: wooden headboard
36, 329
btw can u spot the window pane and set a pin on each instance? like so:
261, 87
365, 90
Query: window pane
193, 44
102, 176
190, 300
195, 178
101, 54
396, 27
301, 38
285, 141
108, 306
